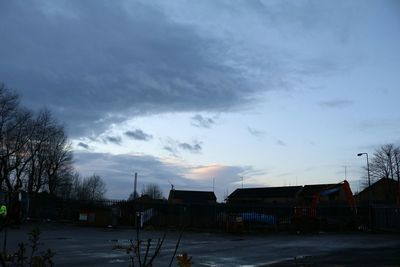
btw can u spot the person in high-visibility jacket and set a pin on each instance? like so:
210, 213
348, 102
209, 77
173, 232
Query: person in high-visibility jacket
3, 211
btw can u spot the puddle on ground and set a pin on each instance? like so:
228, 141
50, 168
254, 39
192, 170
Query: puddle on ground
116, 261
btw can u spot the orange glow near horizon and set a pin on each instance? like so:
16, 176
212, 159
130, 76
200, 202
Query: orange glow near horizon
205, 172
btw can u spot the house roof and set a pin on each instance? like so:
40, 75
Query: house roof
265, 192
385, 182
310, 190
188, 196
147, 198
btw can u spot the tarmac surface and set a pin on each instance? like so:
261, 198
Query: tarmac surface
84, 246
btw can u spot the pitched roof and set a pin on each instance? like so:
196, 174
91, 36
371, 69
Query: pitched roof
265, 192
188, 196
385, 182
310, 190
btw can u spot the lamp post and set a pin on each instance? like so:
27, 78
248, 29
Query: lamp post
369, 178
371, 225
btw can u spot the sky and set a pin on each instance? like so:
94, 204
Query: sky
210, 95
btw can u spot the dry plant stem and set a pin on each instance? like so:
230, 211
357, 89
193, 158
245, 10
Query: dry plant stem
176, 248
147, 251
157, 251
132, 258
138, 244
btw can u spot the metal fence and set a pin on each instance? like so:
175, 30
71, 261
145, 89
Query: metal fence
217, 217
387, 218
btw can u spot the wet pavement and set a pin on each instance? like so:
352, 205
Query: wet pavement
83, 246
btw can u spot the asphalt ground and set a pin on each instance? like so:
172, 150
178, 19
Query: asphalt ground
84, 246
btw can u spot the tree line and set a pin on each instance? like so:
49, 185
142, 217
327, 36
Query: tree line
36, 155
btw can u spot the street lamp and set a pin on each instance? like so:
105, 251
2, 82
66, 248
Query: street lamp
369, 178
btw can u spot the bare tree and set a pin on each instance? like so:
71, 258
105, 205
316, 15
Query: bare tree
58, 158
16, 129
34, 151
153, 191
90, 188
385, 162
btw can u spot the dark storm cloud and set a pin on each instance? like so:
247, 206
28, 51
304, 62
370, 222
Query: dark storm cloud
138, 135
337, 103
113, 139
96, 62
83, 145
202, 122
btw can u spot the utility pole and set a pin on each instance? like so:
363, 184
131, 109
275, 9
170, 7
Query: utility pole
135, 187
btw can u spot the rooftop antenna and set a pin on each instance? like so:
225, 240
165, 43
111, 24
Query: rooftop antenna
213, 183
345, 172
172, 186
242, 181
227, 194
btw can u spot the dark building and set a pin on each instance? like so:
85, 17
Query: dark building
300, 195
310, 192
191, 197
326, 193
384, 191
268, 195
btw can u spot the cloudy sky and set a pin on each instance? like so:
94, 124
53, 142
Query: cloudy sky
187, 92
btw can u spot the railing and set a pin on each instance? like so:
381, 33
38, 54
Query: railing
219, 216
387, 218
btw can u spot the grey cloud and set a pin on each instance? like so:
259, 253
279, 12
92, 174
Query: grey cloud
145, 59
138, 135
118, 172
337, 103
281, 143
113, 139
259, 134
308, 169
83, 145
141, 62
174, 146
284, 174
230, 175
255, 132
202, 122
169, 149
194, 148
